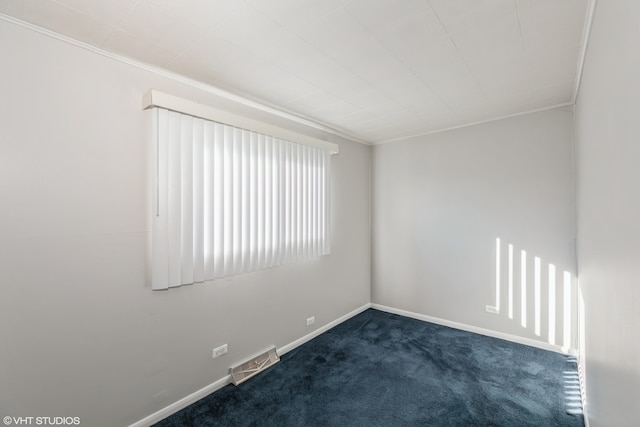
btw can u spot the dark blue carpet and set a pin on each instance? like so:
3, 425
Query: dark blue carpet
380, 369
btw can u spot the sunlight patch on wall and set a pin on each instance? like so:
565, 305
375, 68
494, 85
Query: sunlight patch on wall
510, 281
523, 288
536, 287
552, 304
566, 309
547, 307
497, 305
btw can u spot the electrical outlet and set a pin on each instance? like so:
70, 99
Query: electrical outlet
311, 320
492, 309
219, 351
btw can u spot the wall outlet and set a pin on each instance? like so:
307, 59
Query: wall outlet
311, 320
219, 351
492, 309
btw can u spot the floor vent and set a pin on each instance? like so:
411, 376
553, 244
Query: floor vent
248, 369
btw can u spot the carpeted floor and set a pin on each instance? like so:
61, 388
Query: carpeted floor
380, 369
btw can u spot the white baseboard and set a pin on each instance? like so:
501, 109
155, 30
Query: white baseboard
464, 327
585, 416
217, 385
287, 348
583, 388
182, 403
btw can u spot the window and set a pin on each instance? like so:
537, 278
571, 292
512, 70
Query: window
231, 200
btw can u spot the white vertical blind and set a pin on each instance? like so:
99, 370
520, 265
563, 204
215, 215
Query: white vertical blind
230, 201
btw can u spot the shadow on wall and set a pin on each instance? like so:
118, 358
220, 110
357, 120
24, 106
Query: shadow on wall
538, 295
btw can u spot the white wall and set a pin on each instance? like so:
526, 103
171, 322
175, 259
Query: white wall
82, 333
440, 202
607, 131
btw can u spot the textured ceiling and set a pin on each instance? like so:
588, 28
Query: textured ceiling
375, 70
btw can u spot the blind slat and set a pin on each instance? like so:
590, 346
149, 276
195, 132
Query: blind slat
198, 201
187, 200
160, 247
174, 201
209, 192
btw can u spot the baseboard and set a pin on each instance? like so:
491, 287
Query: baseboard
464, 327
287, 348
217, 385
585, 416
583, 389
182, 403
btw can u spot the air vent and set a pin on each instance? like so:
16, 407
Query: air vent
248, 369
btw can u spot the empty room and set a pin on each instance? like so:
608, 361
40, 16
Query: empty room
320, 213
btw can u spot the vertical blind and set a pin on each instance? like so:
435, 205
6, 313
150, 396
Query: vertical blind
230, 201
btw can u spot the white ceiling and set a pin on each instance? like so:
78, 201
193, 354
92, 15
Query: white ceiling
375, 70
